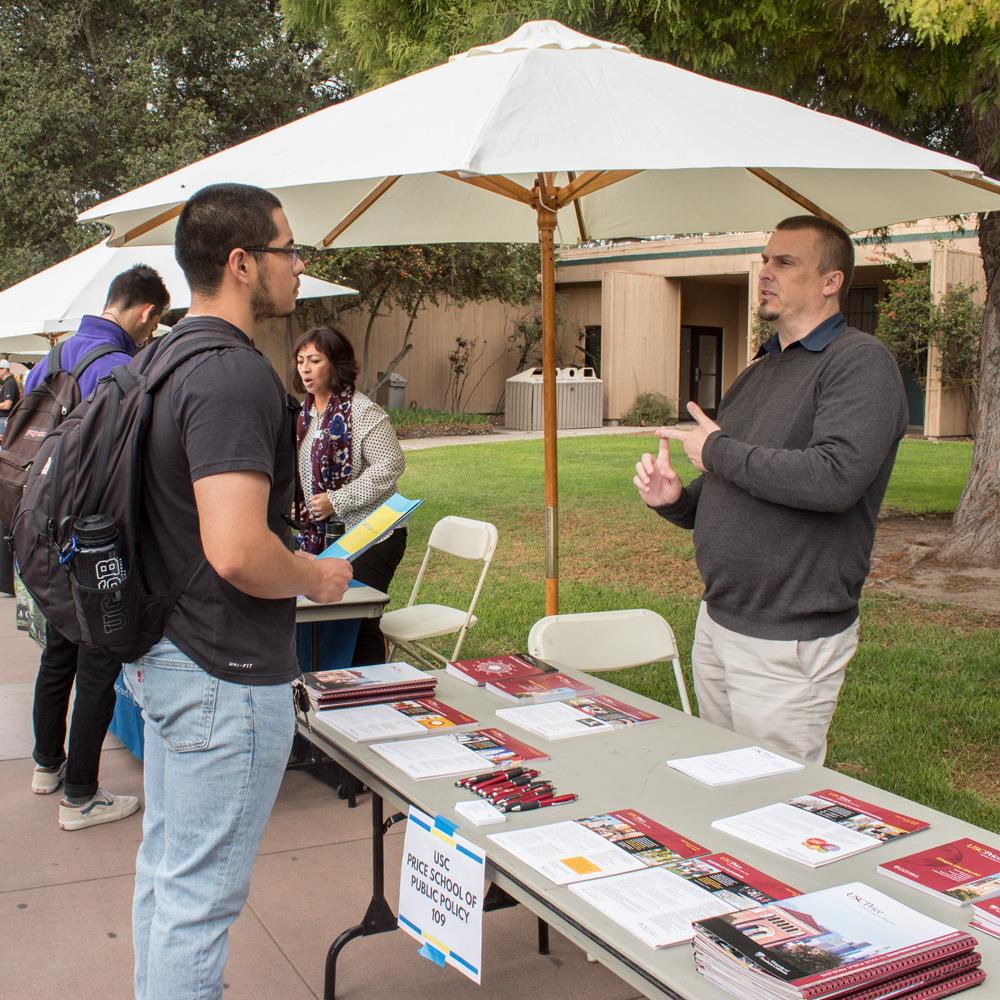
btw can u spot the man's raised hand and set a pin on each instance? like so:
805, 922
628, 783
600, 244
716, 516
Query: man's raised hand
655, 479
694, 439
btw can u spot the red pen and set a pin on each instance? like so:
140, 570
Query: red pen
477, 779
512, 784
513, 790
523, 793
537, 795
540, 803
500, 779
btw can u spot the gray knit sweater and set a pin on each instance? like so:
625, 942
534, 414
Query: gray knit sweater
784, 518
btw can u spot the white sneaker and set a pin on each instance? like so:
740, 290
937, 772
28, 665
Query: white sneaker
45, 780
102, 808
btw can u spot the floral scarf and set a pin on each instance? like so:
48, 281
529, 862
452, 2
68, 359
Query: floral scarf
330, 458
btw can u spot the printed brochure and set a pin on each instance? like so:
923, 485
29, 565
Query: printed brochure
730, 766
457, 753
658, 905
410, 717
497, 668
959, 873
559, 720
819, 828
372, 529
587, 848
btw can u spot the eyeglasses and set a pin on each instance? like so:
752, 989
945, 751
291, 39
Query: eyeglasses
293, 252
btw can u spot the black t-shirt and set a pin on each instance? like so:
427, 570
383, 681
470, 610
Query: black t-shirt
222, 411
9, 390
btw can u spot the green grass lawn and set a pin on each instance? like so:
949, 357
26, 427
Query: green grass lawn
920, 710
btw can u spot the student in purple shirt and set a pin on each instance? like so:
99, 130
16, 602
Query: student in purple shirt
136, 300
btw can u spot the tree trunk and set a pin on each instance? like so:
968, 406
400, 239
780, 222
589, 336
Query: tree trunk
975, 535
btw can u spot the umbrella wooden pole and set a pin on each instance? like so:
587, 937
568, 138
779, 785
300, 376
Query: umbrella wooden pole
546, 243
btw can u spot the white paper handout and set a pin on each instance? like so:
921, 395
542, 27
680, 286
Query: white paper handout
730, 766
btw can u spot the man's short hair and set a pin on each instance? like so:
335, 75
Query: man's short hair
139, 285
214, 222
836, 251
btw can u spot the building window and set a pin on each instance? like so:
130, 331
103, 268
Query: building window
860, 308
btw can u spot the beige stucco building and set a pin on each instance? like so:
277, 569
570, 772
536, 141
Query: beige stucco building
673, 316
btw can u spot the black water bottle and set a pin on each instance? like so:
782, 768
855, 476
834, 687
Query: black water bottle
99, 561
334, 530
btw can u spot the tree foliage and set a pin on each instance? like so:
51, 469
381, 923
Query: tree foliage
99, 97
909, 322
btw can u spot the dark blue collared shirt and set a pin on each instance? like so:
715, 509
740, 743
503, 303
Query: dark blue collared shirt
816, 340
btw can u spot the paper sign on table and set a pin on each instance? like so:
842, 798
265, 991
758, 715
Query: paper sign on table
441, 889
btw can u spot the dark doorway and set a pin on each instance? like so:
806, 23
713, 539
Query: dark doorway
705, 386
592, 348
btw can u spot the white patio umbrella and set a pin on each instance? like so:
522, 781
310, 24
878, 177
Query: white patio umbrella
35, 311
550, 131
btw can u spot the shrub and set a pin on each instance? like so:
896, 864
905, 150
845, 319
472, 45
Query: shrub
650, 409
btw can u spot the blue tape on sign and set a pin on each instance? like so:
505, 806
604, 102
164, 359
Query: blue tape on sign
446, 826
429, 951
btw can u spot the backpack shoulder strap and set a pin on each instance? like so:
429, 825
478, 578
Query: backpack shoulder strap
54, 359
91, 356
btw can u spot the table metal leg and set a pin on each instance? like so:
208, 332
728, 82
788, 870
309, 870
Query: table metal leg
379, 917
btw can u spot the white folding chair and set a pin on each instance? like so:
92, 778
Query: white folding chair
408, 628
607, 640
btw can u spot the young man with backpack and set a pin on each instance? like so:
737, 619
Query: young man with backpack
136, 300
218, 477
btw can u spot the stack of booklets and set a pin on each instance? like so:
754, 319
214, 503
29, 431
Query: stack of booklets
849, 941
658, 904
958, 873
519, 677
820, 827
986, 916
595, 846
410, 717
367, 685
559, 720
457, 753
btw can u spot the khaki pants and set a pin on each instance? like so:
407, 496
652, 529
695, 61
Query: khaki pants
781, 692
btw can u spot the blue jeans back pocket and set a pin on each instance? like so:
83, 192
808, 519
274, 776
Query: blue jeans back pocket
179, 702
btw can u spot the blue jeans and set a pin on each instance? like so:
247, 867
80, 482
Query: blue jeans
215, 755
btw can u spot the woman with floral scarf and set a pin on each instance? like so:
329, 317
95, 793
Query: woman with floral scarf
349, 462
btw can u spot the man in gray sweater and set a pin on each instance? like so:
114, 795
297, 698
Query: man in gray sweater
784, 512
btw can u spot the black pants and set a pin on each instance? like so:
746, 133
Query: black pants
376, 567
95, 673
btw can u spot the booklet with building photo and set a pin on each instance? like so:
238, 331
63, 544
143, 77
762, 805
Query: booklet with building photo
587, 848
847, 940
959, 872
658, 904
818, 828
560, 720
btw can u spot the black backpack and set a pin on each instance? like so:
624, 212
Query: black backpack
92, 464
34, 417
